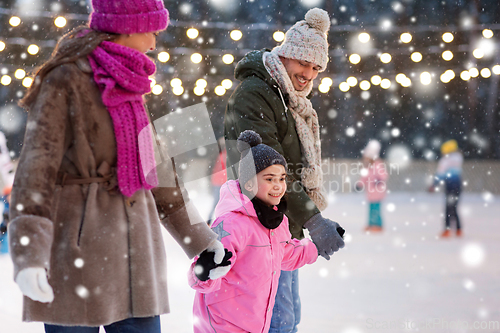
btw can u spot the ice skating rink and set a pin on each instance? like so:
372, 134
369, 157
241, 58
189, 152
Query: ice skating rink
402, 280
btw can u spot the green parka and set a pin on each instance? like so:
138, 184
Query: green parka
258, 104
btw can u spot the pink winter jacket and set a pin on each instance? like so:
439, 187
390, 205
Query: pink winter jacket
243, 300
375, 181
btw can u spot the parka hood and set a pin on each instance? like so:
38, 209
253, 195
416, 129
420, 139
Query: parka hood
232, 200
252, 65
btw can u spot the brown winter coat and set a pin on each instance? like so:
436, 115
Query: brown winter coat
118, 239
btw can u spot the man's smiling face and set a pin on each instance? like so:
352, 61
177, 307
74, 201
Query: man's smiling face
300, 72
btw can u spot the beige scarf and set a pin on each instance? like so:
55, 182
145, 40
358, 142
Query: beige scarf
307, 126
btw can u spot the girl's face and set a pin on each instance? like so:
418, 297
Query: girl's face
269, 185
142, 42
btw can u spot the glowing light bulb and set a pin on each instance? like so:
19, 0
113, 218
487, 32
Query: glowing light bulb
196, 58
228, 59
385, 84
364, 85
157, 89
447, 76
364, 37
478, 53
220, 90
425, 78
400, 78
385, 58
227, 84
20, 74
14, 21
198, 90
60, 22
5, 80
406, 82
352, 81
344, 86
496, 69
406, 37
202, 83
354, 58
465, 75
163, 56
279, 36
236, 35
192, 33
448, 37
487, 33
485, 72
473, 72
447, 55
327, 81
2, 46
33, 49
323, 88
27, 82
178, 90
376, 79
416, 56
176, 82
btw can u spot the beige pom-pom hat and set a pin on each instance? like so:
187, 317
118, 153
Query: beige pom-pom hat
307, 39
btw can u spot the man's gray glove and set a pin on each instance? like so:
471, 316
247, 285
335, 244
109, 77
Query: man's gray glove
326, 235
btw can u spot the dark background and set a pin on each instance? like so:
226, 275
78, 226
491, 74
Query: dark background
418, 117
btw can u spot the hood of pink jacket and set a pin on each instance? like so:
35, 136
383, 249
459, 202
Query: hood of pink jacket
232, 200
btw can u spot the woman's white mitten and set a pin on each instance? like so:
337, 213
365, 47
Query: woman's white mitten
34, 284
218, 249
218, 272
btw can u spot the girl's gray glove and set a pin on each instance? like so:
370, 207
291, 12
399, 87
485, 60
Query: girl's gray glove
325, 234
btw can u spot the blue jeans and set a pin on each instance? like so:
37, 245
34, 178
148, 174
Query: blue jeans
286, 311
130, 325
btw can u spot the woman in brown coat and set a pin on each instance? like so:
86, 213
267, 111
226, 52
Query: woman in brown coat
85, 219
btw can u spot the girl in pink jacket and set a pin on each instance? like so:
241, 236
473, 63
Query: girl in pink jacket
251, 224
374, 182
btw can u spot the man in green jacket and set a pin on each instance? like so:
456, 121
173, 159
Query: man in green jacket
272, 99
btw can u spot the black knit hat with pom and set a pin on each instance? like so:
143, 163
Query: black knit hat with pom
262, 156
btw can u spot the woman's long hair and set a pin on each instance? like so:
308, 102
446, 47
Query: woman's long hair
75, 44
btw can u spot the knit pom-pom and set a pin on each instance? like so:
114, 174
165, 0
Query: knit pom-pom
318, 18
248, 139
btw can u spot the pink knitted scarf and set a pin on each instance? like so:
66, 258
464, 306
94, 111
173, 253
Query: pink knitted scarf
122, 75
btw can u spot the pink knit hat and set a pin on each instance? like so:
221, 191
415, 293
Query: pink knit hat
128, 16
307, 40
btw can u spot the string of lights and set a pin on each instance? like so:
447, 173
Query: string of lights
235, 34
228, 56
386, 64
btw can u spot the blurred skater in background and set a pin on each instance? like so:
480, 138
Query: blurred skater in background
449, 172
374, 182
